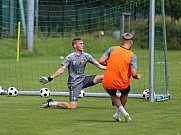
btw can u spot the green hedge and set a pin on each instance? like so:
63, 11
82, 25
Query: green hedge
174, 36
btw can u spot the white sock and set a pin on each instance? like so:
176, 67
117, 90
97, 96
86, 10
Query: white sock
118, 112
121, 110
52, 103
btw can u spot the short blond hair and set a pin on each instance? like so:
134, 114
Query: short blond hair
127, 36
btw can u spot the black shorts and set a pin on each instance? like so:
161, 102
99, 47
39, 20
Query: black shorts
112, 92
75, 91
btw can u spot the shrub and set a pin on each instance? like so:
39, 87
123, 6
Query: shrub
173, 36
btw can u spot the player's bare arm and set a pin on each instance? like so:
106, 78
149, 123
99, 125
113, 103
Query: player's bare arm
97, 64
103, 60
135, 75
58, 72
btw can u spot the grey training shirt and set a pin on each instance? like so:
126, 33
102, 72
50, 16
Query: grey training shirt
76, 64
133, 63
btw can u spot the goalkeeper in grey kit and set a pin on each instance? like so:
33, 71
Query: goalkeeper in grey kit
76, 63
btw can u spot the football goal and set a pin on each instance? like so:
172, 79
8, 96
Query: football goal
36, 35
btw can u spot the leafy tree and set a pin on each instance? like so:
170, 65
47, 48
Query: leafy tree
173, 7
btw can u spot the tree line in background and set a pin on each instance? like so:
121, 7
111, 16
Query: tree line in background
172, 11
172, 7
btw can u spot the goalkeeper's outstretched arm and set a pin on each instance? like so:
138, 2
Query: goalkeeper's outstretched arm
98, 65
45, 80
58, 72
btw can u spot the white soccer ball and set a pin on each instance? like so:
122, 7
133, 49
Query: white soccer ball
146, 94
62, 57
81, 94
12, 91
101, 33
44, 92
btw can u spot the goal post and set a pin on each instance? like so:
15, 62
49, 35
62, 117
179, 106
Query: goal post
48, 28
151, 49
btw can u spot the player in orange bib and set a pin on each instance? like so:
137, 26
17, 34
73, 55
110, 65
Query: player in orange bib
121, 65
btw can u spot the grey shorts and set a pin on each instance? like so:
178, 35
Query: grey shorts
75, 91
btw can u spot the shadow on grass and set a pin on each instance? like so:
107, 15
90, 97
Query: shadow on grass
91, 107
106, 121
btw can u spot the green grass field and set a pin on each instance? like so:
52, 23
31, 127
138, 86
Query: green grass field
21, 115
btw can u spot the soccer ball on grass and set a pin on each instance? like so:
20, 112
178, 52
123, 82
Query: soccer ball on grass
12, 91
44, 92
81, 94
146, 94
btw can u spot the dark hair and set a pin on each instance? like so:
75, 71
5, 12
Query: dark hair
75, 40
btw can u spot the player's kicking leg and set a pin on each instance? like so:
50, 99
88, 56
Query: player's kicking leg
98, 79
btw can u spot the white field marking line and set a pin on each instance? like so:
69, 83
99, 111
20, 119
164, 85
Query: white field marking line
167, 62
161, 62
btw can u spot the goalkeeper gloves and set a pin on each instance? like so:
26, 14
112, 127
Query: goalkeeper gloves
45, 80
